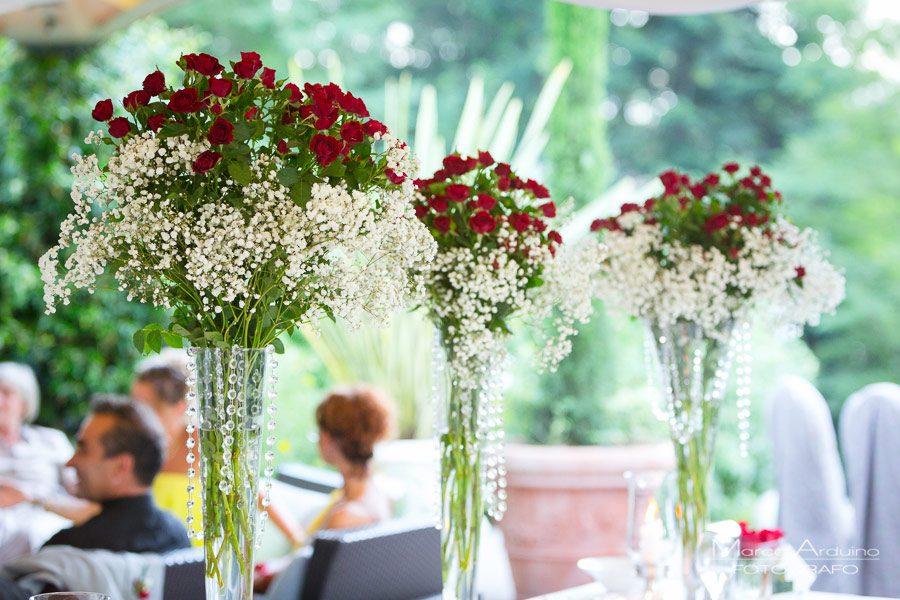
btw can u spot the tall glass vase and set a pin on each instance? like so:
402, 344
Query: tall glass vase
229, 388
693, 366
472, 472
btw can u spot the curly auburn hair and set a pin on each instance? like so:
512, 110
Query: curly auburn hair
356, 417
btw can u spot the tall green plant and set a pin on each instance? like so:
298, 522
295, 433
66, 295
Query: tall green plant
45, 102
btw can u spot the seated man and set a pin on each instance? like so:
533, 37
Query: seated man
121, 447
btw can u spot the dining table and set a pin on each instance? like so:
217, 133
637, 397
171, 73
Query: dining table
596, 591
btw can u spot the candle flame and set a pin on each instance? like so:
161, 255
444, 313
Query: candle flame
652, 511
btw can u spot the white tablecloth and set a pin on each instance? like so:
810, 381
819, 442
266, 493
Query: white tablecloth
595, 591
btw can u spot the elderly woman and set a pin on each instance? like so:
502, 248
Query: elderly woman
31, 463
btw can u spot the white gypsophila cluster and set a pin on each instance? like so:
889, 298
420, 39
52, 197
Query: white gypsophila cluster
342, 252
471, 286
646, 277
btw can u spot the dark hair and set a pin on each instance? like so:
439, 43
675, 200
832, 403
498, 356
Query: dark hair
356, 417
137, 432
168, 383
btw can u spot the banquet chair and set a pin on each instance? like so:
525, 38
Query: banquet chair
813, 509
393, 560
869, 424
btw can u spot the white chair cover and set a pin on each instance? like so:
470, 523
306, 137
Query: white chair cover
813, 510
870, 440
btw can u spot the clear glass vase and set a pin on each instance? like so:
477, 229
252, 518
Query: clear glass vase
230, 387
692, 366
472, 473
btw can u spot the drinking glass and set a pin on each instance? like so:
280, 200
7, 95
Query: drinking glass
717, 557
70, 596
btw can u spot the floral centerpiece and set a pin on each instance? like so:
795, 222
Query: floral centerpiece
695, 262
246, 206
498, 258
761, 556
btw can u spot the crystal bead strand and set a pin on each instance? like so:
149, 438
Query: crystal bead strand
654, 383
438, 370
495, 458
743, 376
269, 470
191, 427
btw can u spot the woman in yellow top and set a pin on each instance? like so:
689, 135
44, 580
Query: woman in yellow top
163, 389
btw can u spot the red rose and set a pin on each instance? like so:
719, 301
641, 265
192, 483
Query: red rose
716, 222
354, 105
683, 202
755, 171
629, 207
538, 224
136, 99
537, 189
204, 64
503, 184
439, 175
554, 236
735, 211
711, 180
282, 147
326, 148
296, 94
800, 272
671, 181
185, 101
751, 219
268, 78
420, 183
442, 223
156, 122
748, 182
458, 192
251, 113
119, 127
372, 127
731, 168
221, 132
482, 222
765, 181
206, 161
395, 177
698, 190
486, 202
455, 165
103, 111
439, 204
649, 203
485, 159
520, 221
502, 169
220, 87
155, 83
421, 210
325, 117
598, 224
248, 65
352, 133
216, 109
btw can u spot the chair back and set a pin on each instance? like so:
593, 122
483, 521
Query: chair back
185, 577
393, 560
813, 509
869, 424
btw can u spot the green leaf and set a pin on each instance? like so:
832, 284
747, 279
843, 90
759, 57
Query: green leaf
301, 191
279, 346
154, 340
239, 171
138, 340
335, 169
172, 340
172, 130
288, 176
242, 131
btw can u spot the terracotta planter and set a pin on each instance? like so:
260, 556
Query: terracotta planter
566, 503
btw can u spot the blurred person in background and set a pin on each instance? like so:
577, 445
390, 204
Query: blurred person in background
33, 502
351, 421
163, 388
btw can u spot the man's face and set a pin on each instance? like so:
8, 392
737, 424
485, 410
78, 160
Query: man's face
99, 476
12, 408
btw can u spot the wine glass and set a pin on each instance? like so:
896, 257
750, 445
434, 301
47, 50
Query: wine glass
70, 596
717, 557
